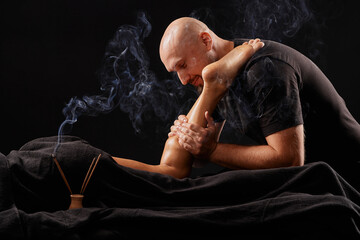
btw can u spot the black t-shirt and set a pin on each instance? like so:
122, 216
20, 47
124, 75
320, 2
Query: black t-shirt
280, 88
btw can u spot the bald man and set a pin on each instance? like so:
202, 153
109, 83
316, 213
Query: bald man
277, 95
216, 71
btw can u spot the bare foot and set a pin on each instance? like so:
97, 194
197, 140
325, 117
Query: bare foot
219, 75
255, 43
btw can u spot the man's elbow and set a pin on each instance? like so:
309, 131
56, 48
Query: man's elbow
297, 163
296, 160
289, 160
293, 157
299, 157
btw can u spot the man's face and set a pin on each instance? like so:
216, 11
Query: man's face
187, 59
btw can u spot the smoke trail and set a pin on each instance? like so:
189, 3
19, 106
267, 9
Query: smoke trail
277, 20
88, 105
127, 83
274, 20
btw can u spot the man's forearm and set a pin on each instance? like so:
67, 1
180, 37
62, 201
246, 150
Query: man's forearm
246, 157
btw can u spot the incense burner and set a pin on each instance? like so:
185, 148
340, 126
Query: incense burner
76, 199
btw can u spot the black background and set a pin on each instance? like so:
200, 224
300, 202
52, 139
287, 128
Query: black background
51, 50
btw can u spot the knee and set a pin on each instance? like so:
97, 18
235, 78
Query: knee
172, 143
175, 161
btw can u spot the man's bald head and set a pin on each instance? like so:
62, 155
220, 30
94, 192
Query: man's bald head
180, 30
187, 46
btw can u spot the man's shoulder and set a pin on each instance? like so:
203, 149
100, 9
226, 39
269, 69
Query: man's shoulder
275, 51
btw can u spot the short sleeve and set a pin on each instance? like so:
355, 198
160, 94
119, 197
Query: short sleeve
273, 87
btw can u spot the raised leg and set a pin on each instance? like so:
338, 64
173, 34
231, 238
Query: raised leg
218, 76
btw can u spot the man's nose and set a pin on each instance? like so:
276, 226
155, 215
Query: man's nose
184, 78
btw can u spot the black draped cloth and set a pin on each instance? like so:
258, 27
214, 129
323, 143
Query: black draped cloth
312, 201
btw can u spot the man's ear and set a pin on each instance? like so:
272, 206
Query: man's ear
206, 40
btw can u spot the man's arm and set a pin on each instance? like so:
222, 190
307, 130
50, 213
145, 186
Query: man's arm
285, 148
280, 109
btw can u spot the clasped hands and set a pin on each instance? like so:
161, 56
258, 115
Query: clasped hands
197, 140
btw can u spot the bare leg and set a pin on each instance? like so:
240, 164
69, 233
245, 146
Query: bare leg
175, 160
218, 76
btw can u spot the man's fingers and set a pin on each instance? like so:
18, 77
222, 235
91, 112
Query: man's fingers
185, 145
173, 131
182, 118
173, 128
188, 144
185, 140
171, 134
177, 122
188, 129
190, 126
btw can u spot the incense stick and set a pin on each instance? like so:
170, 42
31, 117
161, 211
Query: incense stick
62, 173
87, 174
87, 177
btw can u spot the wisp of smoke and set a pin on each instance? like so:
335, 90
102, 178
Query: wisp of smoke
274, 20
128, 83
277, 20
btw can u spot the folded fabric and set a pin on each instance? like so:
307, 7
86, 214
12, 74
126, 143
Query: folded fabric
293, 203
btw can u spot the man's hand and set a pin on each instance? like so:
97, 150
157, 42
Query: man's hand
199, 141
